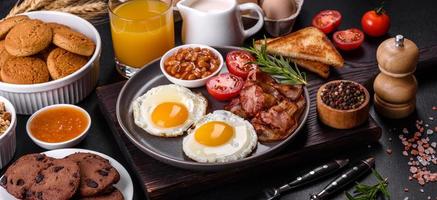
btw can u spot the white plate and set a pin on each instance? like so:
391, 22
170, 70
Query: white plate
124, 185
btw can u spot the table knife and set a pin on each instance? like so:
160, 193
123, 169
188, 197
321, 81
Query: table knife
347, 177
311, 176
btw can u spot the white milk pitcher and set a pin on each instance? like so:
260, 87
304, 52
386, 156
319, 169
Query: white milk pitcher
216, 22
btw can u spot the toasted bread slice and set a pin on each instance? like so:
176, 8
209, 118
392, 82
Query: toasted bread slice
258, 43
318, 68
309, 44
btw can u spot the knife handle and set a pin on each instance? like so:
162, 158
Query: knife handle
342, 180
315, 174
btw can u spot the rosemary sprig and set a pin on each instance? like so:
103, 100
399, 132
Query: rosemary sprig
370, 192
278, 67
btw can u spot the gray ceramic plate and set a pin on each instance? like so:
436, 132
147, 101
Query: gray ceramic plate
169, 150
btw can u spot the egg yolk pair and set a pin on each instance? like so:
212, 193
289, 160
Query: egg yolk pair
171, 114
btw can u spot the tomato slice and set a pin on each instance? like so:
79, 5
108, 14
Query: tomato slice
348, 39
224, 86
327, 20
238, 63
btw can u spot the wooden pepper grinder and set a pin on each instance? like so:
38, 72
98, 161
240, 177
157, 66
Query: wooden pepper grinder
395, 87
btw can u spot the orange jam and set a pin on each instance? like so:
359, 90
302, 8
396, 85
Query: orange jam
58, 124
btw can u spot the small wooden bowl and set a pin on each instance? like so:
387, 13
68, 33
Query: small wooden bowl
342, 119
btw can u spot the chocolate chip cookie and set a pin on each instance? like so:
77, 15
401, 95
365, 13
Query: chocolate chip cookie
62, 63
115, 194
96, 173
28, 38
59, 181
20, 176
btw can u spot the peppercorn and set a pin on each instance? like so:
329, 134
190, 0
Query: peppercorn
343, 95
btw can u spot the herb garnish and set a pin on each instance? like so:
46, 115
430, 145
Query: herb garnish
370, 192
278, 67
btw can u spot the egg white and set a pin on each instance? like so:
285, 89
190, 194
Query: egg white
144, 105
242, 143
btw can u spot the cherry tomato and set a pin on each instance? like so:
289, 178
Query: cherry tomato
224, 86
375, 23
238, 63
327, 20
348, 39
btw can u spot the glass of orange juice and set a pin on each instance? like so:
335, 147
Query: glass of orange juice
142, 30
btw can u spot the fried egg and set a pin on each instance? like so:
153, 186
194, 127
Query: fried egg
168, 110
220, 137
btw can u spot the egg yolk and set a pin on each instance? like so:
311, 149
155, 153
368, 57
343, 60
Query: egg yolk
169, 114
214, 133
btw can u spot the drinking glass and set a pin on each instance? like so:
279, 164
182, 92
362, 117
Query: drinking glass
142, 30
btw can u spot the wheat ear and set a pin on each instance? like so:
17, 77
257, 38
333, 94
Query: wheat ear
28, 5
86, 10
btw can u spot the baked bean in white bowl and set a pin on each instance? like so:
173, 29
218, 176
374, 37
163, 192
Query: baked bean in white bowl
191, 65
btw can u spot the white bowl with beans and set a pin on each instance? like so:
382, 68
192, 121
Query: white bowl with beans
191, 65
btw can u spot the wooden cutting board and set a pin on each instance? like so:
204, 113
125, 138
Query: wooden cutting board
165, 181
316, 140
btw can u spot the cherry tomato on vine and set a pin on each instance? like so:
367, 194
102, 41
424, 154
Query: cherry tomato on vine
375, 23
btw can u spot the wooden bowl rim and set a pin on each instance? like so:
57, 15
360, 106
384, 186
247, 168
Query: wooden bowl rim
363, 105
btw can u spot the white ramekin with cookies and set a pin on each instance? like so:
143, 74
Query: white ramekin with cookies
47, 57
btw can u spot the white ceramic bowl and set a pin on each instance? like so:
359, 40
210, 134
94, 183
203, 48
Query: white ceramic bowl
71, 89
59, 145
7, 139
190, 83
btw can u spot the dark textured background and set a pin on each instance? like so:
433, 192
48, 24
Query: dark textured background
416, 20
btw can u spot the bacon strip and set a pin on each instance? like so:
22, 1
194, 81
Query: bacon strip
274, 109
